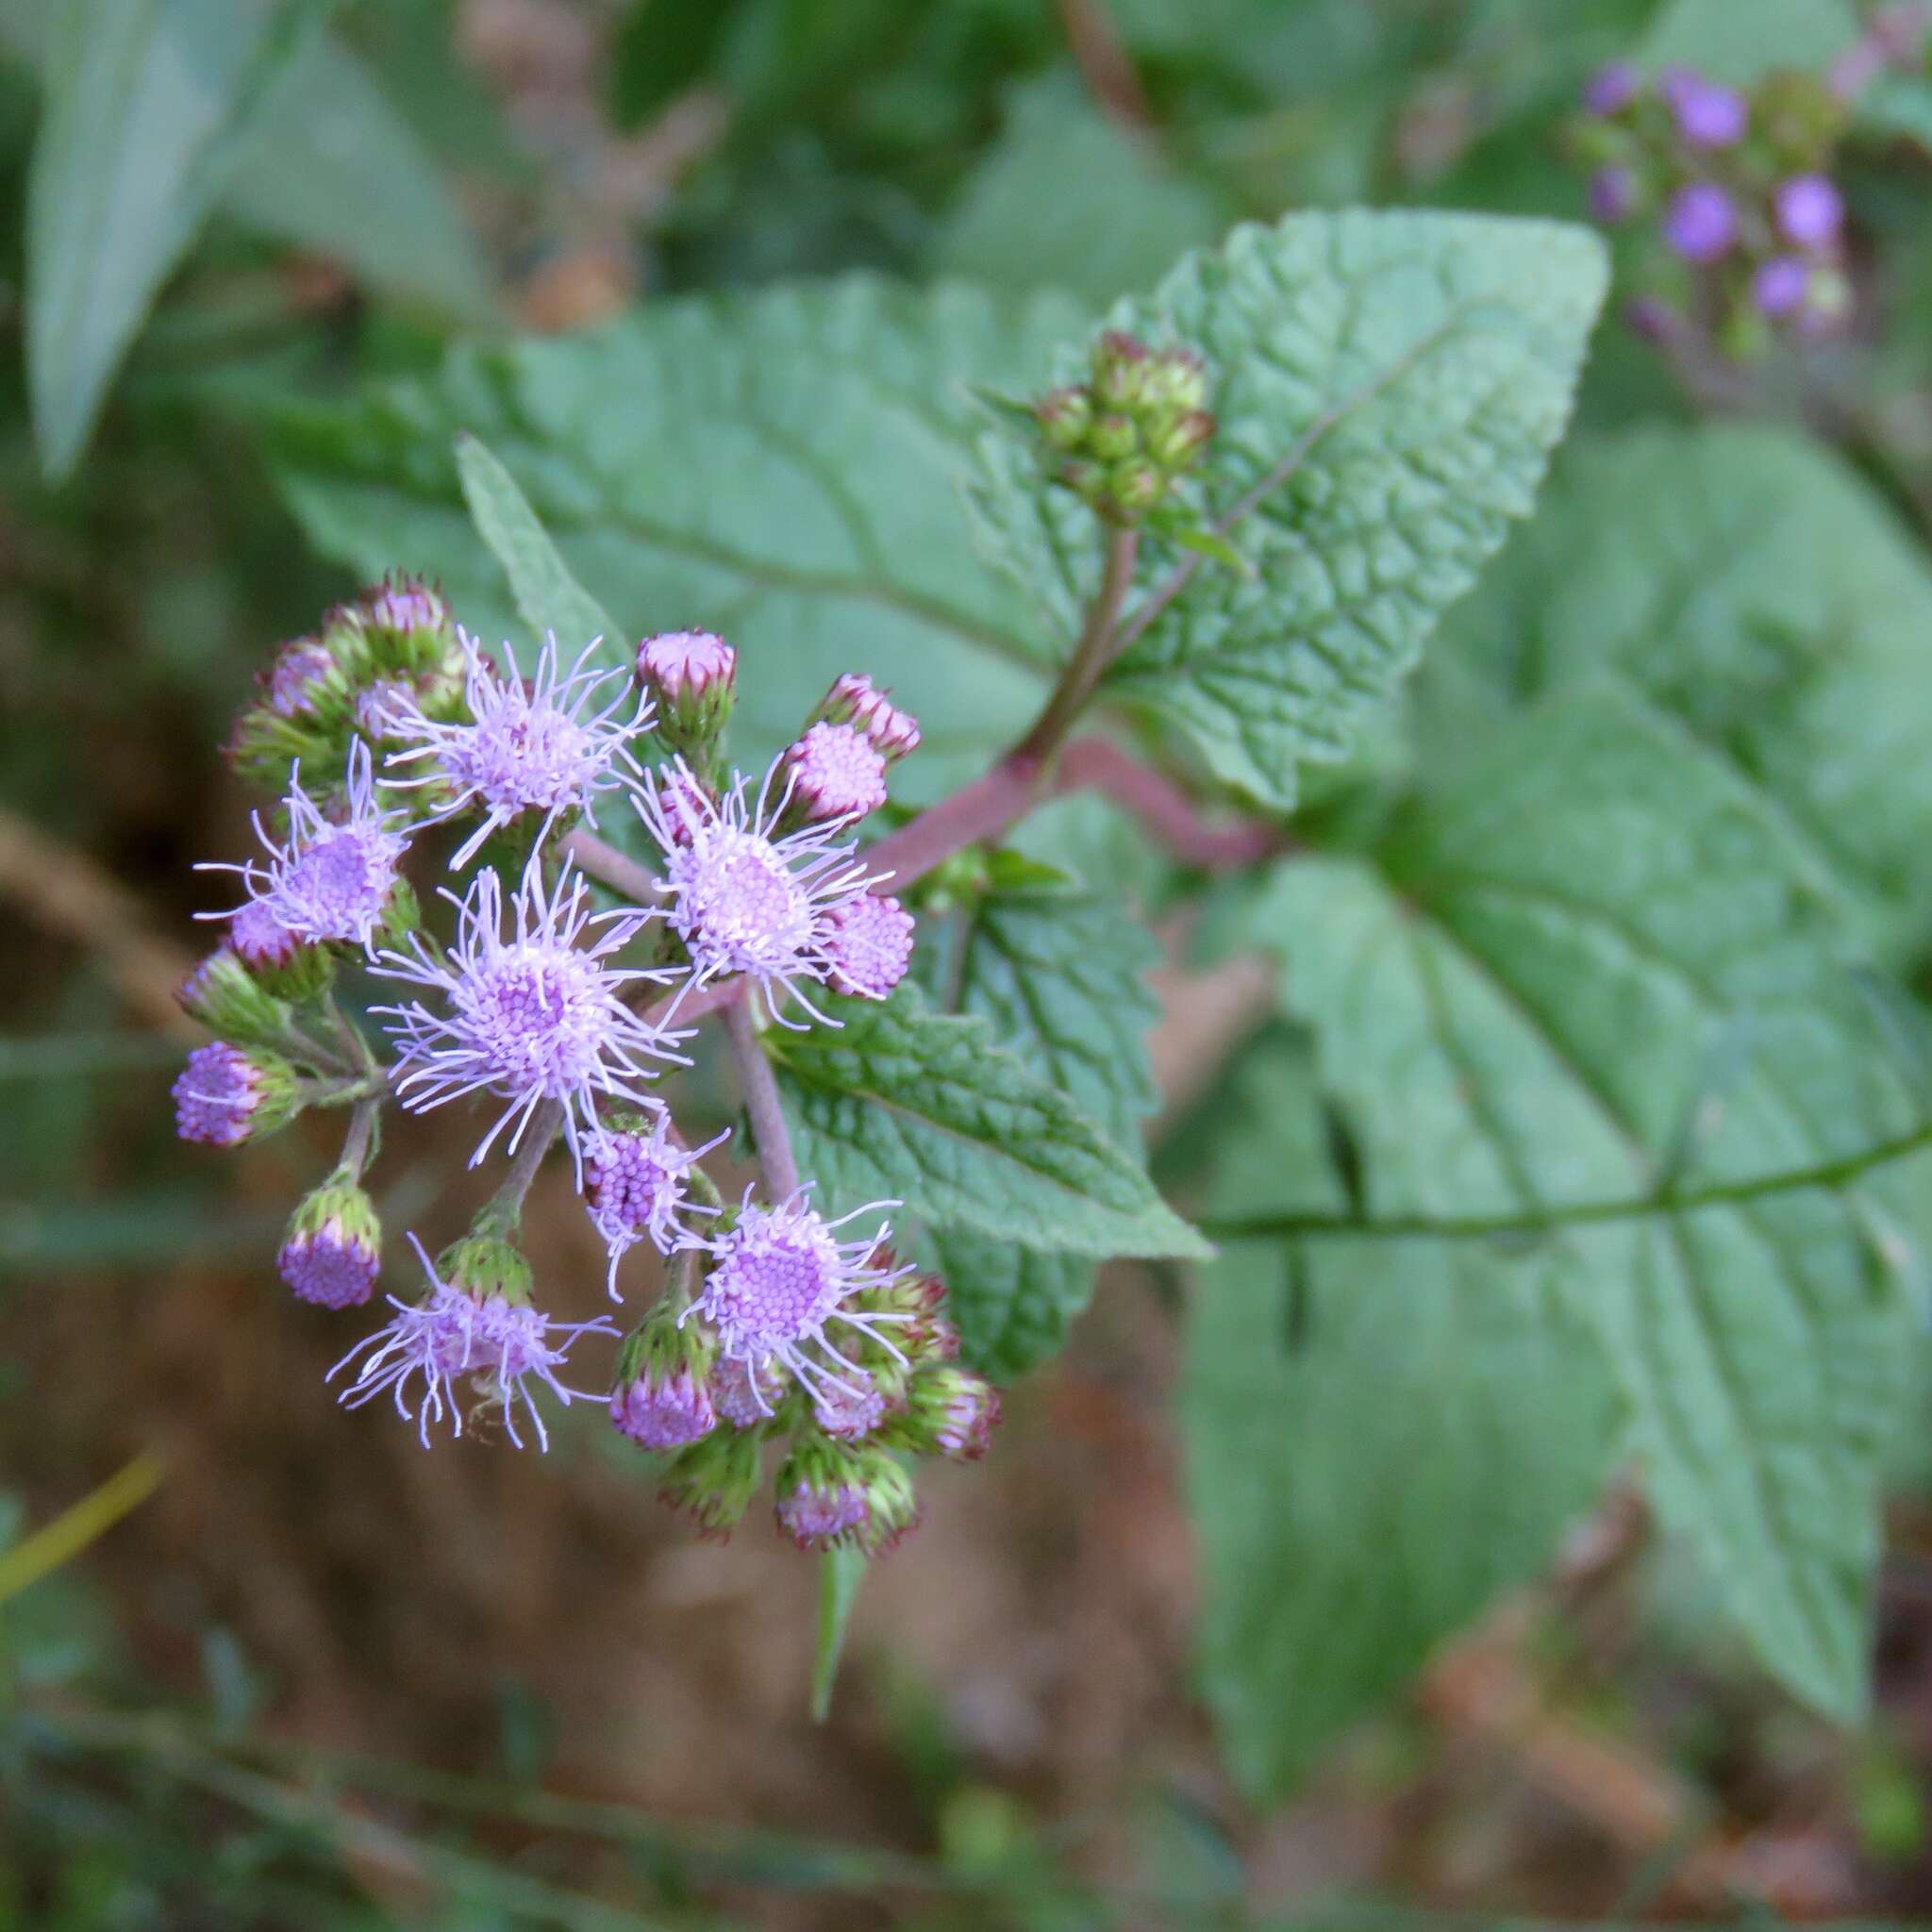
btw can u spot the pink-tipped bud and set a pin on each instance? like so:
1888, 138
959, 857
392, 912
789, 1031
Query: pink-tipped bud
303, 681
849, 1410
693, 677
868, 946
225, 1096
333, 1249
855, 700
746, 1396
949, 1410
229, 1000
662, 1397
835, 773
830, 1498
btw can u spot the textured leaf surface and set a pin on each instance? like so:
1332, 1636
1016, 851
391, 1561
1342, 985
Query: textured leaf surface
1747, 583
1388, 388
903, 1102
551, 601
1062, 979
783, 467
1523, 1010
147, 105
1011, 1304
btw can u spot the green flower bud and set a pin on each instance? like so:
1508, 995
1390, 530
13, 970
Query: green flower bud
1180, 441
713, 1480
1113, 437
230, 1001
1064, 416
1119, 371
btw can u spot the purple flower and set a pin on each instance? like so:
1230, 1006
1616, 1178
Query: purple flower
225, 1096
824, 1514
779, 1278
1708, 115
835, 773
333, 1249
293, 679
664, 1409
530, 1015
743, 897
525, 747
450, 1335
1780, 285
1612, 87
743, 1391
1701, 223
868, 944
1612, 194
849, 1413
635, 1187
685, 663
854, 699
331, 879
1810, 210
259, 939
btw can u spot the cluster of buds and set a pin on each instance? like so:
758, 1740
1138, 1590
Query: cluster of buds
1122, 439
714, 1379
391, 732
398, 639
1747, 220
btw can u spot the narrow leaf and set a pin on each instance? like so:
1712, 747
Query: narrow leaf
149, 105
841, 1572
550, 599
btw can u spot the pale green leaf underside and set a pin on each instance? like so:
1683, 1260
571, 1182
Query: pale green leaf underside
1388, 388
1523, 1006
901, 1102
782, 467
1745, 581
549, 599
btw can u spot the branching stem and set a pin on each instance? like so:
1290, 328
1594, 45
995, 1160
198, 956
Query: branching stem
758, 1086
504, 1211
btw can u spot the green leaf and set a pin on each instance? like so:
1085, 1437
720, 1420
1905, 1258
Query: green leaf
783, 467
841, 1572
1380, 1438
661, 49
1745, 581
1062, 976
551, 601
1740, 44
1515, 1007
1896, 106
901, 1102
1066, 199
1388, 388
149, 104
333, 168
1012, 1306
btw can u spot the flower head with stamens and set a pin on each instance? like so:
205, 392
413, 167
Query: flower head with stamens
332, 877
745, 897
836, 773
531, 1012
780, 1279
635, 1185
503, 1344
542, 746
745, 1392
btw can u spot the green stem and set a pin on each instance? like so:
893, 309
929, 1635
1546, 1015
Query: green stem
503, 1212
360, 1142
1096, 649
759, 1087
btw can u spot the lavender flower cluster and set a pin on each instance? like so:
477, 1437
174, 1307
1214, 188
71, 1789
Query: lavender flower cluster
1748, 220
392, 730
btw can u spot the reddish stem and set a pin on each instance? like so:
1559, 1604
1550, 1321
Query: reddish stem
1164, 809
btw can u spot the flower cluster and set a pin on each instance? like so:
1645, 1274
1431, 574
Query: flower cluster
397, 743
1122, 439
1746, 223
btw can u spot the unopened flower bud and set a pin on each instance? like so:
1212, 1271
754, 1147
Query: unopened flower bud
713, 1480
868, 946
407, 626
225, 1095
854, 699
821, 1501
484, 1265
286, 964
835, 773
1780, 285
691, 676
1120, 370
1708, 114
849, 1410
1113, 437
333, 1249
949, 1411
1612, 87
1133, 488
1177, 443
305, 681
1701, 223
1176, 380
661, 1398
1064, 417
1613, 193
228, 999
